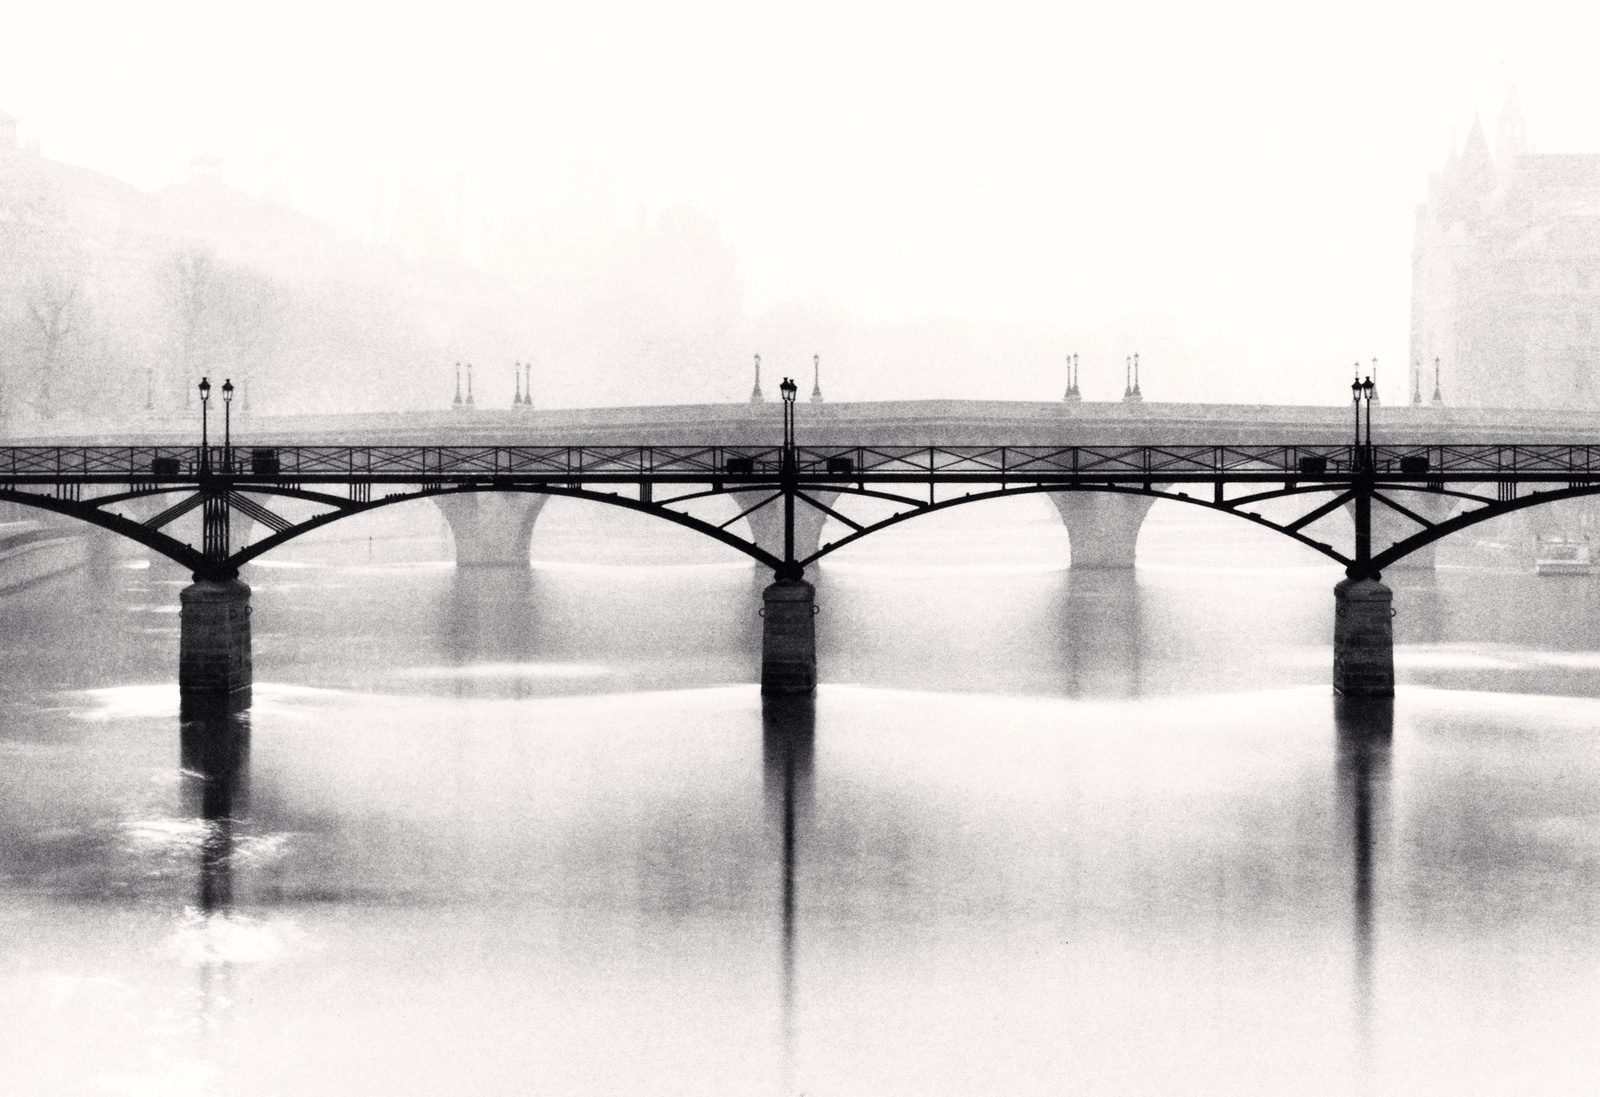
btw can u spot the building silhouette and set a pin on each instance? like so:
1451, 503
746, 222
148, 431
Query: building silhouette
1506, 274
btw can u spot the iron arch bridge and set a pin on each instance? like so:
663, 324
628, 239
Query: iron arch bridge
106, 485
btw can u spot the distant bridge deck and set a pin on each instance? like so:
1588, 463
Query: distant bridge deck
878, 423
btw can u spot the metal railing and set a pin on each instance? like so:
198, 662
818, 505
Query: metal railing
843, 464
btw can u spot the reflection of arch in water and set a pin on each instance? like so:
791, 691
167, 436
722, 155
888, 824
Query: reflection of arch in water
1365, 728
788, 737
1102, 635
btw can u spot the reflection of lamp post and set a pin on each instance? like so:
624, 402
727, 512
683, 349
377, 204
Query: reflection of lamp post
205, 400
227, 425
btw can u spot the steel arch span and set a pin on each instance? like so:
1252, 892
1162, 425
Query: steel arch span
220, 501
339, 482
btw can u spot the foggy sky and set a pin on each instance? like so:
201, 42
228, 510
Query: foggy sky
1239, 181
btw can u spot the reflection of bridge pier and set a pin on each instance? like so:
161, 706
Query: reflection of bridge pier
214, 750
1365, 732
788, 727
1102, 633
488, 617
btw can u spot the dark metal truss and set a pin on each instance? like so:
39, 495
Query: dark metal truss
88, 482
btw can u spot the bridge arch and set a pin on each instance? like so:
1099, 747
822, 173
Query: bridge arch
1113, 511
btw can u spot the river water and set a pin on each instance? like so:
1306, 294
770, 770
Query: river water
498, 832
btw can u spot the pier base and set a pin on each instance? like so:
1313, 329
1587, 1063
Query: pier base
788, 638
214, 638
1363, 639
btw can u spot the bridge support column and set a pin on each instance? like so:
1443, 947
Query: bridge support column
214, 639
1390, 526
788, 638
766, 524
491, 529
1363, 639
1102, 527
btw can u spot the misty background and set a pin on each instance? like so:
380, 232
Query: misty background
332, 204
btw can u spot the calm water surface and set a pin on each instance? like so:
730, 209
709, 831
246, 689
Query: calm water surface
1039, 832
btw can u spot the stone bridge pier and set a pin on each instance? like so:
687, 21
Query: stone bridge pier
1390, 526
766, 524
214, 661
1102, 526
491, 529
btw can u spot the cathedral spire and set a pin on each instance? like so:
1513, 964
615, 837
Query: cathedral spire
1512, 138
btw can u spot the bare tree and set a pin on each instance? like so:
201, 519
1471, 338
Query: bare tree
54, 298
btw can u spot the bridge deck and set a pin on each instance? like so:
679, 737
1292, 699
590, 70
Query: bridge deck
531, 465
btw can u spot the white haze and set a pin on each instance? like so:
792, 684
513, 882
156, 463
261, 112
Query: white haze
940, 200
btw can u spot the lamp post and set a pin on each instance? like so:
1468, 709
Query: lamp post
1355, 400
1370, 391
205, 448
790, 473
149, 389
516, 401
788, 389
457, 401
227, 425
755, 393
816, 378
469, 384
